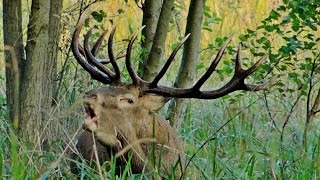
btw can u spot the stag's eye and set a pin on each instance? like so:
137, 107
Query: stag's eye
130, 101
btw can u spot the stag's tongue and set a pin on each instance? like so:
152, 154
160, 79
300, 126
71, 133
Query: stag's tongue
90, 120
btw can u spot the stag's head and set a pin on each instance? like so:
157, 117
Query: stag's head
123, 102
138, 97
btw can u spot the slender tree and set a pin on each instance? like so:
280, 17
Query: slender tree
53, 50
151, 11
36, 77
151, 66
54, 36
12, 30
187, 71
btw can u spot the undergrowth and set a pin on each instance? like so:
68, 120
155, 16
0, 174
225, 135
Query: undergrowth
226, 140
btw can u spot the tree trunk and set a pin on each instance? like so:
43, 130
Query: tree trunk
187, 70
36, 90
310, 113
12, 30
53, 47
54, 36
151, 11
151, 67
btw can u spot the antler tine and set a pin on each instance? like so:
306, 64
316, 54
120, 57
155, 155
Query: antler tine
238, 67
262, 86
107, 61
93, 59
94, 52
134, 77
246, 73
242, 74
111, 56
80, 58
237, 81
81, 50
98, 43
255, 66
164, 69
213, 65
95, 47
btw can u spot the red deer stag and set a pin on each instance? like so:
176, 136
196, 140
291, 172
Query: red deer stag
121, 114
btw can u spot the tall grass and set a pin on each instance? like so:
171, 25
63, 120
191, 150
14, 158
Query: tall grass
241, 143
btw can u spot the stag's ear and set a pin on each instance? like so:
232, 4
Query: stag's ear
153, 102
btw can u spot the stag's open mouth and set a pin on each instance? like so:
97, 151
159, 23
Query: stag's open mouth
91, 116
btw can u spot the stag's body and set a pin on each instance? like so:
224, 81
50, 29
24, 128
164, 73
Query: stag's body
85, 147
121, 115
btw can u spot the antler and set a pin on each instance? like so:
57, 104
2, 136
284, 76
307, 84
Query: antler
89, 62
236, 82
86, 57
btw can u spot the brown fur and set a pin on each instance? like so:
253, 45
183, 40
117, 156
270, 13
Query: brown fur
125, 115
84, 145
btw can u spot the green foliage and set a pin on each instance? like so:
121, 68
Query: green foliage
295, 25
3, 111
99, 15
210, 18
16, 166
